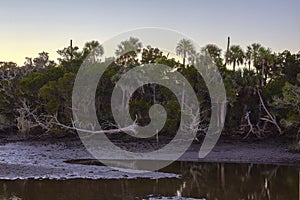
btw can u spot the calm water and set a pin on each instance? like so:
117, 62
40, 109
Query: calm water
199, 180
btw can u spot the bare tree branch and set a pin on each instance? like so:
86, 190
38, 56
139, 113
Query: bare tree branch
272, 119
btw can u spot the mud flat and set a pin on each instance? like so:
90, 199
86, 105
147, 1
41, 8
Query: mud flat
40, 159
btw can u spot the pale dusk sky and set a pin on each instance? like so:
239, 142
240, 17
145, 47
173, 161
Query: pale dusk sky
32, 26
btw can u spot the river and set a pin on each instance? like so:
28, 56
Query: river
195, 181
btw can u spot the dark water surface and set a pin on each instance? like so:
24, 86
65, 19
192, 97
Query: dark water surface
198, 180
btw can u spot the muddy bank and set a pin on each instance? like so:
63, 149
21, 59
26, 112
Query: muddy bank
268, 151
42, 160
46, 158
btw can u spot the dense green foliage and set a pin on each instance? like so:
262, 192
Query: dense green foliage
32, 93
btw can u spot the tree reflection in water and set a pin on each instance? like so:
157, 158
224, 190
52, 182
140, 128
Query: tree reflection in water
199, 180
244, 181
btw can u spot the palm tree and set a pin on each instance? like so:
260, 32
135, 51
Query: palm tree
126, 46
252, 54
94, 47
185, 49
235, 56
214, 52
248, 57
127, 52
266, 59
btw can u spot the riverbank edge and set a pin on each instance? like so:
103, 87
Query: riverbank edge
227, 150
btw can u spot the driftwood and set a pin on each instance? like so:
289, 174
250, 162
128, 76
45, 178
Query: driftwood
258, 130
269, 118
29, 119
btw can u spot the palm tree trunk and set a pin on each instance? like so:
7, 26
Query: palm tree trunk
249, 63
182, 97
234, 66
227, 50
262, 74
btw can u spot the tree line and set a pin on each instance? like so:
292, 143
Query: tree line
262, 88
